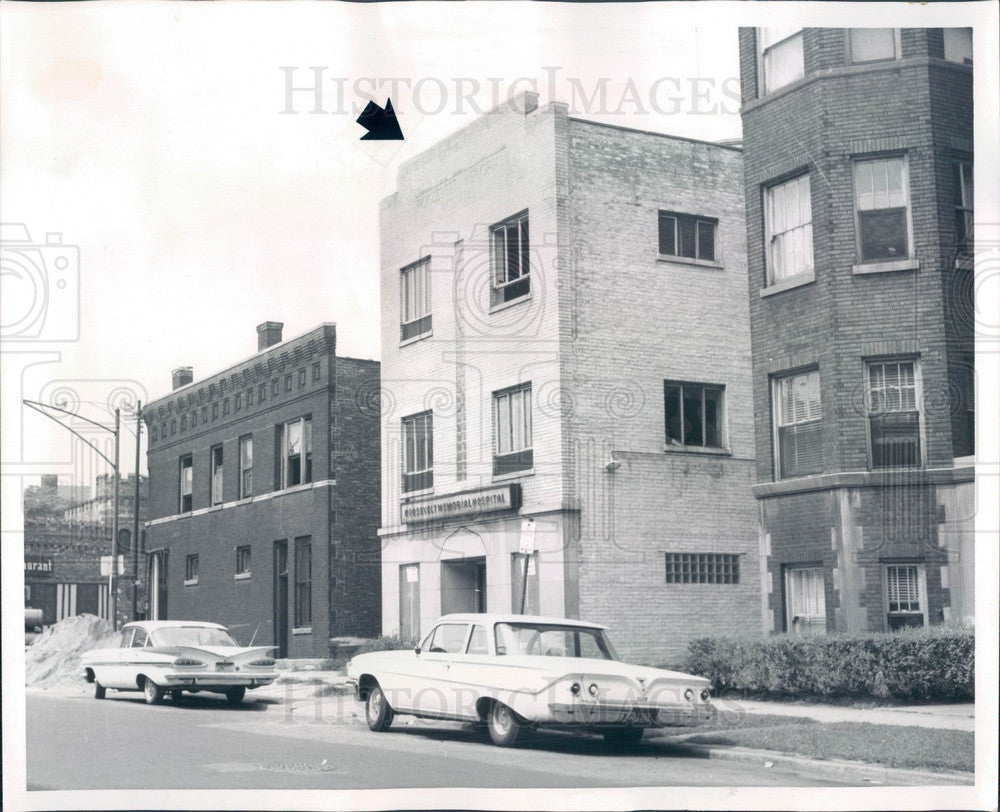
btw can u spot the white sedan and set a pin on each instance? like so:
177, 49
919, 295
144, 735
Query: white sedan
518, 672
159, 657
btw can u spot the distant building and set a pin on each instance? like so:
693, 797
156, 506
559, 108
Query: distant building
566, 365
858, 150
101, 508
264, 485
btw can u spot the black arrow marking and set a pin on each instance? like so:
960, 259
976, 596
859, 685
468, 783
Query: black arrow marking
381, 124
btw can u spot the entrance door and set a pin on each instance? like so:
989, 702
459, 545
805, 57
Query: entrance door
281, 598
463, 585
88, 599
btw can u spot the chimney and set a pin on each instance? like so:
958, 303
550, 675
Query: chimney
182, 376
268, 334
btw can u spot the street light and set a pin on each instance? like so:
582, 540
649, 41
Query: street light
112, 578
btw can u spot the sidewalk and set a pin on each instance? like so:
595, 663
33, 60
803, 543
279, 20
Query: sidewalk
945, 717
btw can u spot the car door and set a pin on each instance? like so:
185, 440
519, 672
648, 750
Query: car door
468, 673
434, 693
110, 670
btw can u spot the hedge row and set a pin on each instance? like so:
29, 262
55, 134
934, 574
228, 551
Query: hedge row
928, 664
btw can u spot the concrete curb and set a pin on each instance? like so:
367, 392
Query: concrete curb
859, 769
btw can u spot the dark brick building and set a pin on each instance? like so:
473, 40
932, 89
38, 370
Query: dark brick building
858, 170
264, 495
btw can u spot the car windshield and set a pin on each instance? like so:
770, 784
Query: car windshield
192, 636
553, 641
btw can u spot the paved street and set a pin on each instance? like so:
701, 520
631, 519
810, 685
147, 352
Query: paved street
76, 742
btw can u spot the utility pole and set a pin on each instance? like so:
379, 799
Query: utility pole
135, 519
113, 581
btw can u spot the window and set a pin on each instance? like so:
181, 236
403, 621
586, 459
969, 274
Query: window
302, 377
225, 406
315, 371
249, 397
447, 638
243, 560
874, 44
296, 452
788, 223
781, 58
186, 491
512, 419
687, 235
958, 45
215, 410
703, 568
216, 483
963, 207
288, 382
173, 427
261, 392
418, 452
880, 195
246, 467
184, 422
204, 414
509, 252
798, 417
893, 414
303, 582
274, 387
805, 595
693, 414
238, 402
905, 588
415, 300
140, 639
194, 418
191, 569
409, 602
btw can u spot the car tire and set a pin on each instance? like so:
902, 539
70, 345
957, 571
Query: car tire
623, 738
152, 692
234, 696
378, 713
99, 690
506, 728
176, 696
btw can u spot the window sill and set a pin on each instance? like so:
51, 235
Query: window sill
241, 576
514, 475
886, 267
415, 339
302, 630
408, 495
788, 284
700, 263
295, 488
709, 452
192, 582
512, 303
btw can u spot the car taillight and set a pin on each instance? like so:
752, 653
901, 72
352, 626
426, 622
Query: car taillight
187, 662
704, 694
261, 664
574, 688
592, 689
689, 694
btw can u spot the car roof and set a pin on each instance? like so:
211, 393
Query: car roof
153, 625
492, 617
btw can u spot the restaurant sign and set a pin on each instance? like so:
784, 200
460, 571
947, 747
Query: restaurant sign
488, 500
37, 567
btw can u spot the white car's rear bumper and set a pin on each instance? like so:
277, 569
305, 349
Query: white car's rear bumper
222, 680
631, 713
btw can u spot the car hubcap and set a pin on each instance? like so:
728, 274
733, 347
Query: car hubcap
502, 719
376, 703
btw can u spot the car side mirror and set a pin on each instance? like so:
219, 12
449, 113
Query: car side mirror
416, 649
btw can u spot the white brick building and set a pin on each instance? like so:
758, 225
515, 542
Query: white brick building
565, 340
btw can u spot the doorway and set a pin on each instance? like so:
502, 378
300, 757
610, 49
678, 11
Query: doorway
463, 585
280, 591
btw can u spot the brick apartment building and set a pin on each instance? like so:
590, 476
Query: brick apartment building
264, 492
565, 361
858, 156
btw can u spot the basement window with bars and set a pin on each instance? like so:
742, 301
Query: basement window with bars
688, 236
703, 568
510, 261
415, 300
798, 424
894, 414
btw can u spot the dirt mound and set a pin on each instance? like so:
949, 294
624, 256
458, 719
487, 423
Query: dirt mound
54, 658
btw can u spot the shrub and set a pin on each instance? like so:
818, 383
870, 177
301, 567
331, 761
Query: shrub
936, 663
389, 642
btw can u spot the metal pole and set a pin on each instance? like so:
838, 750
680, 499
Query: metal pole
135, 519
113, 597
524, 583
